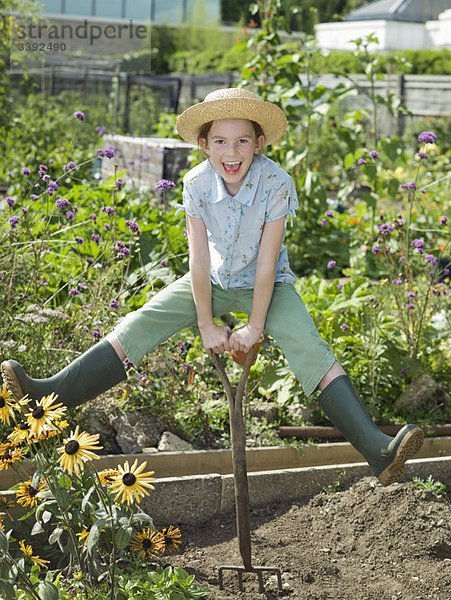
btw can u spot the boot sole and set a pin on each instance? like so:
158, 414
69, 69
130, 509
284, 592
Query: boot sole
407, 449
11, 382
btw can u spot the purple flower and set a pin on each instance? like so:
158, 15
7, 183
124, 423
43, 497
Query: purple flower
11, 202
329, 213
443, 220
187, 367
362, 161
373, 154
411, 294
52, 187
182, 346
398, 222
108, 210
81, 285
42, 170
96, 334
45, 177
331, 264
62, 203
385, 228
71, 166
344, 327
164, 184
397, 281
26, 171
164, 262
24, 211
70, 215
427, 137
133, 225
418, 245
79, 240
93, 217
119, 183
107, 227
74, 292
13, 221
410, 306
79, 115
324, 222
33, 197
95, 237
422, 155
410, 185
122, 251
375, 249
431, 259
109, 152
114, 303
128, 364
100, 130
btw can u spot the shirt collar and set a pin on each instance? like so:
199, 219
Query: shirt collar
247, 191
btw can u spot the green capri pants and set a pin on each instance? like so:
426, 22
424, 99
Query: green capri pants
287, 321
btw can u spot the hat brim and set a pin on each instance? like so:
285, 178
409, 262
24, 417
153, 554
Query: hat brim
270, 117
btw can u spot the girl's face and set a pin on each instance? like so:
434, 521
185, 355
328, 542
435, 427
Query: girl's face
231, 145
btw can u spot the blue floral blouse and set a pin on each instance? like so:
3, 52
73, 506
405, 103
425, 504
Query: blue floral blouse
234, 223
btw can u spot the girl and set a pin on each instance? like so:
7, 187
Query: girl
236, 202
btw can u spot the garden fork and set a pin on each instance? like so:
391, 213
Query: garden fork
238, 437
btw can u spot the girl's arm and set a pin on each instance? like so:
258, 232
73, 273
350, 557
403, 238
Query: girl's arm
214, 337
267, 258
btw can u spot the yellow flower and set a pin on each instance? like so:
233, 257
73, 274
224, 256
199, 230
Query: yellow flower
2, 521
9, 454
20, 433
147, 543
172, 539
107, 476
131, 484
26, 494
8, 405
43, 415
77, 450
83, 535
28, 552
58, 428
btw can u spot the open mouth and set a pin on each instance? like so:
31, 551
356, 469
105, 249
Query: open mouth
232, 167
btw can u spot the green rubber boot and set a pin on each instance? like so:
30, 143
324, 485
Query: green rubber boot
385, 455
89, 375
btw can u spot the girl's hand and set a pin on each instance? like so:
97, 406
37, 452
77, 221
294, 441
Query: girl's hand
244, 338
215, 338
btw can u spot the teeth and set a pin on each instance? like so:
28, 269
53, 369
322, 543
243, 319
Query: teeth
232, 163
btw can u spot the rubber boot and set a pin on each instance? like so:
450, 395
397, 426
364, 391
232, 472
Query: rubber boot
89, 375
385, 455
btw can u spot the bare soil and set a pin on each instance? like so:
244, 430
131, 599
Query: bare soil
364, 543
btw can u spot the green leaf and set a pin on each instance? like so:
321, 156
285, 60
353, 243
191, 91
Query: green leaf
56, 535
87, 496
48, 591
37, 528
46, 516
4, 544
123, 537
65, 482
6, 589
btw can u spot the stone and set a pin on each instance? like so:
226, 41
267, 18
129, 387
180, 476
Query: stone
170, 442
137, 430
422, 394
264, 411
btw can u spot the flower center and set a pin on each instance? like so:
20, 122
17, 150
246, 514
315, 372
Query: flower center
24, 426
2, 403
38, 412
71, 447
6, 456
32, 491
128, 479
147, 543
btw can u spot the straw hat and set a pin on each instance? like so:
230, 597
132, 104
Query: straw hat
232, 103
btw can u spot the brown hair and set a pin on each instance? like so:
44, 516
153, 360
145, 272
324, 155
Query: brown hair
205, 130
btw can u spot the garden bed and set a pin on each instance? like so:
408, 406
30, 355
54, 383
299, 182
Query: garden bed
363, 542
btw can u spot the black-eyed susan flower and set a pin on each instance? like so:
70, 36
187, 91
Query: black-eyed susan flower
42, 417
26, 494
131, 484
9, 405
107, 476
10, 454
77, 450
58, 427
27, 550
172, 539
147, 543
20, 433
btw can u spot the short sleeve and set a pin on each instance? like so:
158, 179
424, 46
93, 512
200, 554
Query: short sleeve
190, 205
283, 201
